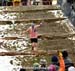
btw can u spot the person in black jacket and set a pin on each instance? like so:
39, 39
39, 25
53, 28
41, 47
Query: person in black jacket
67, 60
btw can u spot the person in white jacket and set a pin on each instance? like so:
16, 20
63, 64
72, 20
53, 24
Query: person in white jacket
71, 68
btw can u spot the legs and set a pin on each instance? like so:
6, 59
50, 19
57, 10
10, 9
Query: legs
34, 43
34, 46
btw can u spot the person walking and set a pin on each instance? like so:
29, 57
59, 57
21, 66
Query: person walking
33, 35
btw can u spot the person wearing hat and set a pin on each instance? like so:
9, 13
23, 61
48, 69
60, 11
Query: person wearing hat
54, 64
57, 63
43, 61
43, 64
36, 66
33, 35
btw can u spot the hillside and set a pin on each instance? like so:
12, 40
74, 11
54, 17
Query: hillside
55, 34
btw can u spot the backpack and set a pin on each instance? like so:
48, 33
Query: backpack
52, 68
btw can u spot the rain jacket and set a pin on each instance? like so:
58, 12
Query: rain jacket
61, 62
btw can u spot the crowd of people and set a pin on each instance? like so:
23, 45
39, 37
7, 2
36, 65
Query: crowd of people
18, 2
10, 2
24, 2
59, 62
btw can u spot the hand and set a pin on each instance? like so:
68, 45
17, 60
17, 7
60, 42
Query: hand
59, 53
41, 24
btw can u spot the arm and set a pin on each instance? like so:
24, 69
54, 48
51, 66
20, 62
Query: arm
61, 62
26, 31
38, 25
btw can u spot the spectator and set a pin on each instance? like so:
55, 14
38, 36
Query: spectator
9, 3
4, 3
43, 64
71, 68
24, 2
54, 65
36, 66
67, 60
61, 62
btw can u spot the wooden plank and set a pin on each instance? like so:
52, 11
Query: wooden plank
30, 8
